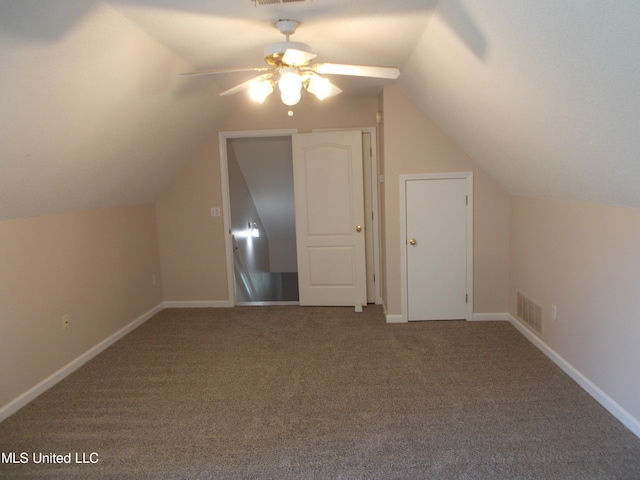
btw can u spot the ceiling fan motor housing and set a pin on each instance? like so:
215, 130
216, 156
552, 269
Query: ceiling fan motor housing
273, 53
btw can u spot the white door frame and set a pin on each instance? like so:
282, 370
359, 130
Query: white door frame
226, 204
404, 178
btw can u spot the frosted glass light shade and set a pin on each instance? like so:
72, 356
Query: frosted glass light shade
291, 98
258, 91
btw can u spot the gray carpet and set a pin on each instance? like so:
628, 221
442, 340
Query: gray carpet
319, 393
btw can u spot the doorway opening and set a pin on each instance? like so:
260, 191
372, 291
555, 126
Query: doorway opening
261, 202
265, 273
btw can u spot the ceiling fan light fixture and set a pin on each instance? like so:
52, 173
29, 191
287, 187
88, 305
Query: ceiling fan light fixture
259, 91
290, 85
319, 86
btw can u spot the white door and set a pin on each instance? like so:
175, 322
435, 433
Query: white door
329, 206
437, 248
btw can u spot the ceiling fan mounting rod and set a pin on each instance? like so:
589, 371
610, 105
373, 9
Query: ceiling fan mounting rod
287, 27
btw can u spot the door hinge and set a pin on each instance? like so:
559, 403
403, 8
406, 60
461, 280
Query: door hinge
466, 298
466, 201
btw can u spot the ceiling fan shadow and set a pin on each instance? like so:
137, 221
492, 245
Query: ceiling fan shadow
461, 23
43, 21
318, 10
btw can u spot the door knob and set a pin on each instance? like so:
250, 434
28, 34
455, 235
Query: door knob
412, 241
358, 228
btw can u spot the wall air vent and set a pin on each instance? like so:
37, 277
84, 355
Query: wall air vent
530, 313
278, 2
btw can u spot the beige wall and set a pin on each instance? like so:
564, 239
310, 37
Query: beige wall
334, 112
585, 259
95, 266
191, 241
414, 144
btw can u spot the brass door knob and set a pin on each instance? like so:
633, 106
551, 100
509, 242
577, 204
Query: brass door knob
358, 228
412, 241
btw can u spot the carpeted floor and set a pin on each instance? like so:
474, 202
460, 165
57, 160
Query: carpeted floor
289, 392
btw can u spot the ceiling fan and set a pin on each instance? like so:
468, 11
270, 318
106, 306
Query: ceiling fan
291, 70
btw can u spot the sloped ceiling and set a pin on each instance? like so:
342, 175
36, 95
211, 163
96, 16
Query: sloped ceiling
550, 106
544, 95
92, 110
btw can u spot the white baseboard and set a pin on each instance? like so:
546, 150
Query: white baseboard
51, 380
601, 397
477, 317
198, 304
396, 319
490, 317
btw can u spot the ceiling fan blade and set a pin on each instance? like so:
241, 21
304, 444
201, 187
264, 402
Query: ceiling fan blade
245, 85
357, 70
297, 58
226, 70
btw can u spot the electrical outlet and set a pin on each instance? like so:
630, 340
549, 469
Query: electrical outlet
215, 211
554, 312
65, 322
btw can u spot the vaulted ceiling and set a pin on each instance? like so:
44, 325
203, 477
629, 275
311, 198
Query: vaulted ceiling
543, 95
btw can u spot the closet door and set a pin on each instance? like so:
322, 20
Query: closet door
437, 248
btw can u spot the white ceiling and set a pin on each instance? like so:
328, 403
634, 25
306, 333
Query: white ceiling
544, 95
